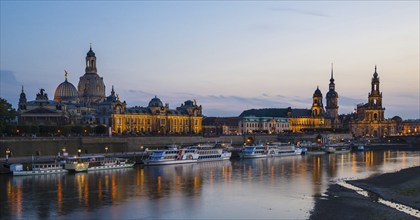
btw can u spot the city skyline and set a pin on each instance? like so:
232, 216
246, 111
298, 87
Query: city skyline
229, 56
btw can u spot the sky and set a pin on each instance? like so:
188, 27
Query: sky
229, 56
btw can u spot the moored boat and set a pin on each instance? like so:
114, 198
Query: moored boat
254, 151
37, 169
209, 152
171, 156
106, 163
75, 164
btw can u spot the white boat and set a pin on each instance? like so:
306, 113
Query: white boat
75, 164
101, 162
271, 150
277, 149
37, 169
171, 156
208, 152
254, 151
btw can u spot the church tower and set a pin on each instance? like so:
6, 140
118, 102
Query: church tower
332, 98
317, 106
91, 86
374, 111
22, 101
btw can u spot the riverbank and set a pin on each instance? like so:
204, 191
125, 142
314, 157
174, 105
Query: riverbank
342, 203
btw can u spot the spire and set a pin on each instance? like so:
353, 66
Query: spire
332, 73
375, 74
65, 74
90, 46
22, 89
112, 91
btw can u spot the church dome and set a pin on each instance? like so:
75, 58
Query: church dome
90, 53
332, 94
65, 92
155, 102
317, 93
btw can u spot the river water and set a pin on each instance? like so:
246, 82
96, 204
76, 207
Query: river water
273, 188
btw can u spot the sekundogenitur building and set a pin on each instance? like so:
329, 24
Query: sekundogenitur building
88, 105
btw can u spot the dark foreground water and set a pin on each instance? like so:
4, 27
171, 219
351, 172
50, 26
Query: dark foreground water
274, 188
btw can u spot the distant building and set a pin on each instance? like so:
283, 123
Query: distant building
369, 120
410, 127
332, 104
220, 126
159, 119
86, 105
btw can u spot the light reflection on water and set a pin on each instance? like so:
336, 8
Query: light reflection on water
246, 189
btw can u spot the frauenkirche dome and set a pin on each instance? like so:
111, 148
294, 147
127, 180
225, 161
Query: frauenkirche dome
66, 92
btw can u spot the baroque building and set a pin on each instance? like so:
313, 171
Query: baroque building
86, 105
278, 120
370, 120
159, 119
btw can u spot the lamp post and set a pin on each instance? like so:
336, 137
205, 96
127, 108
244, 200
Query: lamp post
79, 151
106, 150
64, 151
7, 154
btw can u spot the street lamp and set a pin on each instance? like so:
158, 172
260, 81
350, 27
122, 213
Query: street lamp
7, 154
106, 150
79, 151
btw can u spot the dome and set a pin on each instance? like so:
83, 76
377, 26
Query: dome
332, 94
65, 92
155, 102
91, 87
317, 92
90, 53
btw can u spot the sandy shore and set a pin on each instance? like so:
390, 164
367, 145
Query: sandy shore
341, 203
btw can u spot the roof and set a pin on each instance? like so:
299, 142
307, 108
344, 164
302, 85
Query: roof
276, 112
231, 121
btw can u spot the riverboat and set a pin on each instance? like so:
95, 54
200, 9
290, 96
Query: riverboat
270, 150
101, 162
337, 148
37, 169
209, 152
171, 156
75, 164
277, 149
254, 151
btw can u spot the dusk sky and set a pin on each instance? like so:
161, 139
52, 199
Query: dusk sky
228, 56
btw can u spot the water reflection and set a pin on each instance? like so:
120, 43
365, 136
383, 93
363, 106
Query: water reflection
255, 188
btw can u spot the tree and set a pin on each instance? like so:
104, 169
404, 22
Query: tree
7, 114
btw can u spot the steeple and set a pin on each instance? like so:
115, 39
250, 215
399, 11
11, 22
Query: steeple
90, 61
332, 97
112, 91
375, 95
22, 100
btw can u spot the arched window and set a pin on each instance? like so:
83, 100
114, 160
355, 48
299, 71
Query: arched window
375, 116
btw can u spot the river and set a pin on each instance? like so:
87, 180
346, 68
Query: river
273, 188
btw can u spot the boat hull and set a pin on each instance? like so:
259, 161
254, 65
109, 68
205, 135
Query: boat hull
167, 162
111, 167
39, 172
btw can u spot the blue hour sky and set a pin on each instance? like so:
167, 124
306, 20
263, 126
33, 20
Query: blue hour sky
227, 55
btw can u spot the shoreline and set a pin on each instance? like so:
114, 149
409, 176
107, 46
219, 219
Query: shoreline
341, 203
